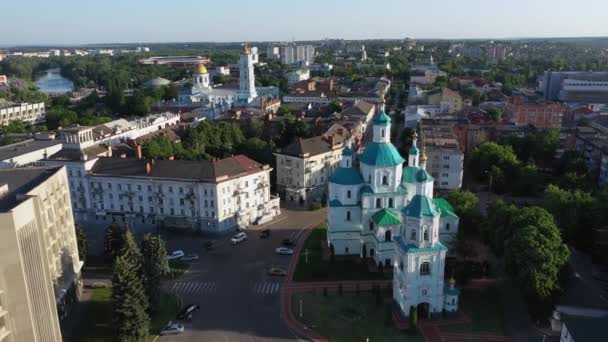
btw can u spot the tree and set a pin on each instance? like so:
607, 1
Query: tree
498, 225
81, 241
114, 240
335, 106
283, 110
465, 205
571, 210
535, 253
158, 147
155, 265
495, 114
129, 302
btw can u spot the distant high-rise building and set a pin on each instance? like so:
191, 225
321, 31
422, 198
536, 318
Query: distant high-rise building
287, 54
496, 54
272, 52
305, 53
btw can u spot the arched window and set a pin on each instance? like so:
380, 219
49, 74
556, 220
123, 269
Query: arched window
390, 203
348, 216
348, 194
401, 265
447, 226
413, 235
384, 180
425, 268
453, 301
347, 163
369, 179
426, 235
383, 133
388, 236
371, 225
378, 202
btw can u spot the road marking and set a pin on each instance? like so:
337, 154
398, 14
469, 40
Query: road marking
194, 287
265, 288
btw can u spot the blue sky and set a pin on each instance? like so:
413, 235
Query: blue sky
105, 21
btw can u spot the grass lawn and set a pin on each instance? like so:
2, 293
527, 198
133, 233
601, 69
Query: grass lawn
348, 318
96, 325
483, 308
317, 269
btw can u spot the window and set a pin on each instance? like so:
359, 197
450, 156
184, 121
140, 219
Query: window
425, 292
149, 187
371, 226
426, 235
140, 198
369, 179
348, 194
149, 198
181, 201
345, 250
384, 180
425, 268
348, 216
378, 202
383, 133
119, 187
181, 190
170, 189
129, 187
413, 235
390, 203
388, 236
401, 265
138, 187
447, 226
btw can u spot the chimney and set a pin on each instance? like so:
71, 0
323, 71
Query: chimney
148, 166
139, 152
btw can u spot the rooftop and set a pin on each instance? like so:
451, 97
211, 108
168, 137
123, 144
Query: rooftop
586, 329
20, 181
26, 146
311, 146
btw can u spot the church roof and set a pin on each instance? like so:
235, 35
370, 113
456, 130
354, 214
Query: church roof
411, 175
367, 190
381, 119
346, 176
419, 206
450, 291
381, 154
411, 248
445, 208
413, 150
386, 217
201, 69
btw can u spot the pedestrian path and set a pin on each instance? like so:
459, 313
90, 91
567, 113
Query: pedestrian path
194, 287
266, 288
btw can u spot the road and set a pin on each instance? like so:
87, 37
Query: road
239, 301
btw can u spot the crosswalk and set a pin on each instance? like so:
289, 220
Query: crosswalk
194, 287
266, 288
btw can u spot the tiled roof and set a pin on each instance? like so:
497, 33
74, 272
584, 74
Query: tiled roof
381, 154
346, 176
195, 170
420, 206
386, 217
445, 208
360, 108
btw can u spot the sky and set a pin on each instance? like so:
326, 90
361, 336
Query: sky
49, 22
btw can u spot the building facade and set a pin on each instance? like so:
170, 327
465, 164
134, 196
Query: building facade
304, 167
29, 113
385, 212
537, 114
40, 268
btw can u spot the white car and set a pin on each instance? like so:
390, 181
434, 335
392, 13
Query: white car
175, 255
284, 251
238, 238
172, 329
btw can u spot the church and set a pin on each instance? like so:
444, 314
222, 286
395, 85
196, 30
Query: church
223, 97
384, 211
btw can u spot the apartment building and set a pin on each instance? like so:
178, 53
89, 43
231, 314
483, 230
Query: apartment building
445, 158
40, 267
445, 98
304, 167
540, 114
29, 151
29, 113
593, 145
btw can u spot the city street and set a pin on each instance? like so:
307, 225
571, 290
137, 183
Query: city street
239, 301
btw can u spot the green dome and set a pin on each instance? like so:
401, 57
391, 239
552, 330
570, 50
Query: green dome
382, 119
381, 154
347, 151
422, 176
413, 151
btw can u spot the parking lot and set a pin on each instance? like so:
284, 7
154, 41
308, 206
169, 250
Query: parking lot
239, 300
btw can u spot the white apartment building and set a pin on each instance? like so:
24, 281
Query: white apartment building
30, 113
40, 267
298, 75
304, 167
305, 53
272, 52
287, 54
445, 158
211, 196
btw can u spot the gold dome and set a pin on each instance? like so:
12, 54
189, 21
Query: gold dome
246, 50
201, 69
423, 157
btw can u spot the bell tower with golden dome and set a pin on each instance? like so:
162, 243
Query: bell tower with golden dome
247, 92
200, 77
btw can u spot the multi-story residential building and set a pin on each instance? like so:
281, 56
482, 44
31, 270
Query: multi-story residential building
40, 267
272, 52
445, 158
29, 113
287, 54
304, 167
29, 151
575, 86
593, 145
540, 114
305, 54
298, 76
445, 98
496, 54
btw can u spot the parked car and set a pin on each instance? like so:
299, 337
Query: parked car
172, 329
265, 233
187, 311
238, 238
288, 242
190, 257
175, 255
284, 251
275, 271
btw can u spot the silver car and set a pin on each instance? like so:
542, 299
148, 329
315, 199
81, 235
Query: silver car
172, 329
